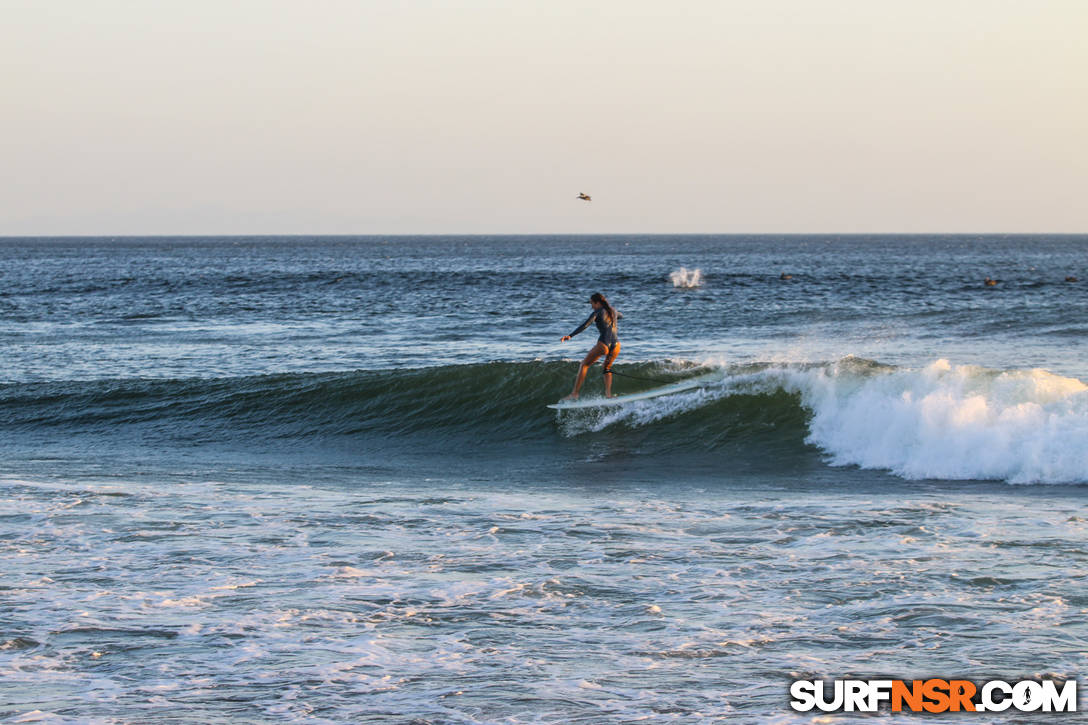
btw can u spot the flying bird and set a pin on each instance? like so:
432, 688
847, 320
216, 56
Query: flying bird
584, 196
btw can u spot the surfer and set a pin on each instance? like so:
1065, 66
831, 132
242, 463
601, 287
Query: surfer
608, 344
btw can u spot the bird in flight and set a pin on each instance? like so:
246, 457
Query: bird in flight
585, 197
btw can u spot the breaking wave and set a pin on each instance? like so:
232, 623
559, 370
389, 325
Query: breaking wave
942, 421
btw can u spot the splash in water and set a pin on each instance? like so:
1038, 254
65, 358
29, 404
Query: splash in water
685, 277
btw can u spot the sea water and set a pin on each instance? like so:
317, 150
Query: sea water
314, 480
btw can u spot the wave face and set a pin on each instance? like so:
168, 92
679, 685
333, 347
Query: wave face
939, 422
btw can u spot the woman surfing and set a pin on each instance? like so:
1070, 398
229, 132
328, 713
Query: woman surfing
608, 343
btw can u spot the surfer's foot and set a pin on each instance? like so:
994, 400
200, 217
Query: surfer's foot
572, 396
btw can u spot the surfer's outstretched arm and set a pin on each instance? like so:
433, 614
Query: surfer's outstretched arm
584, 325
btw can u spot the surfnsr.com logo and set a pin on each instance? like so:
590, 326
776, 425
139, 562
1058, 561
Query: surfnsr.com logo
934, 695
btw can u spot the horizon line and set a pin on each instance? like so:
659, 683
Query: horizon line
242, 235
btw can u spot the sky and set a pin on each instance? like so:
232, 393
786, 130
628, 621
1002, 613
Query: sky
476, 116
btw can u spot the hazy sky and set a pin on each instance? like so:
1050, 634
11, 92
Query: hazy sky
470, 116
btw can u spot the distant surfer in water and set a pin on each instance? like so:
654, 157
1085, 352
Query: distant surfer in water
608, 343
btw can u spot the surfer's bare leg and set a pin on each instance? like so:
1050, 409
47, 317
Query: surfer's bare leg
609, 359
591, 357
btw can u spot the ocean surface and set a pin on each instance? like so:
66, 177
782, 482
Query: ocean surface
295, 479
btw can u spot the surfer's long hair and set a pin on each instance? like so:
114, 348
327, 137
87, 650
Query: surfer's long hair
600, 299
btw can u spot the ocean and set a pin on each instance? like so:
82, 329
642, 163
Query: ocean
313, 479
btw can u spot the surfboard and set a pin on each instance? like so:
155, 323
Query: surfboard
622, 399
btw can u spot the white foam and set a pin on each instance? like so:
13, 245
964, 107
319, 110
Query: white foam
951, 421
662, 594
686, 278
37, 716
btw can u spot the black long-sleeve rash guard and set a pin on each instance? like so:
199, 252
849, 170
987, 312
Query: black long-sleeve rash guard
607, 332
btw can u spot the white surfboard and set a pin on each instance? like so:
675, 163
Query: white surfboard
621, 399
